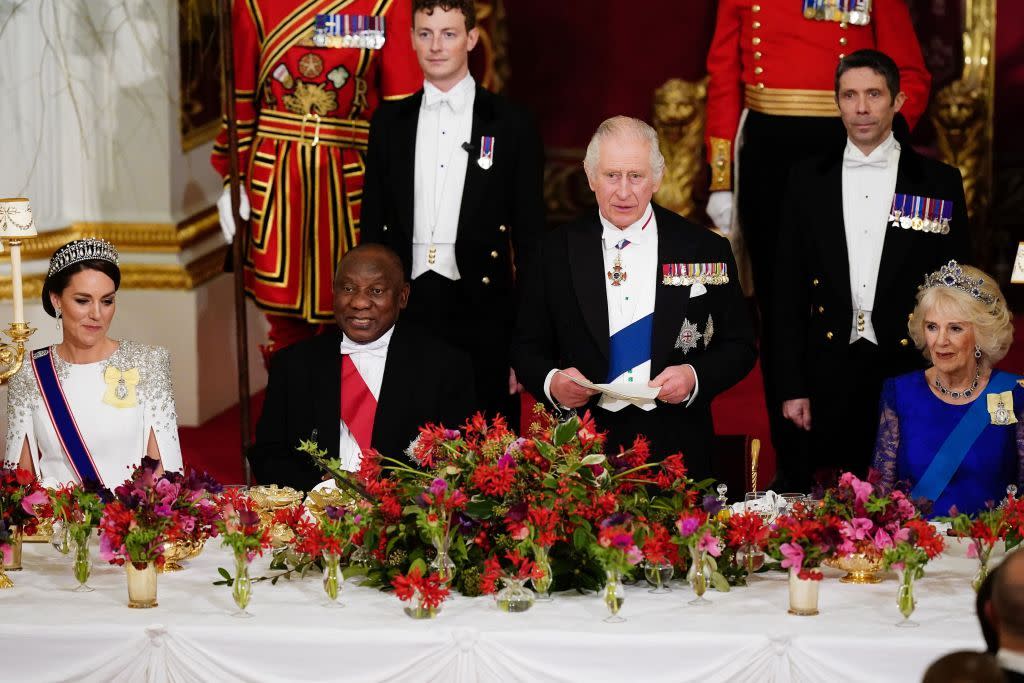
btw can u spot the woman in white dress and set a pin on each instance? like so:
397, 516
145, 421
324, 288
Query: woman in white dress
90, 406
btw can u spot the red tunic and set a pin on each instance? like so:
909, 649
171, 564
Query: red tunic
303, 120
766, 55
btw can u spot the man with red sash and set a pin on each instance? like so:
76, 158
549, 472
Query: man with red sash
771, 104
371, 383
308, 77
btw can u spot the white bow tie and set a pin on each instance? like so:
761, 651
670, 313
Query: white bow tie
378, 348
860, 161
433, 98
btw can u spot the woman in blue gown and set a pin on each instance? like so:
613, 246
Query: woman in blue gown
955, 432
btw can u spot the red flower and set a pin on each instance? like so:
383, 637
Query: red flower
492, 480
429, 588
926, 538
747, 528
673, 465
490, 575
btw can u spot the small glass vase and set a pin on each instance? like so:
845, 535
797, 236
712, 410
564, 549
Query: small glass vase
442, 564
60, 539
82, 565
803, 595
241, 585
543, 578
905, 599
141, 584
333, 579
750, 558
658, 574
983, 556
16, 542
699, 576
416, 609
514, 596
614, 595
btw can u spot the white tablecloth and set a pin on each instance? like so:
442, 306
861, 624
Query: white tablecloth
48, 633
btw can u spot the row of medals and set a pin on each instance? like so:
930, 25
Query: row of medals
940, 227
856, 12
370, 40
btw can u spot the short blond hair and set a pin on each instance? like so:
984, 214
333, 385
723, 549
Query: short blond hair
992, 323
628, 127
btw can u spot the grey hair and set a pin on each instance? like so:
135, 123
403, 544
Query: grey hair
624, 126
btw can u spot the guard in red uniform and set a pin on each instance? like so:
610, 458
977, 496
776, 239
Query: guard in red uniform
308, 76
771, 96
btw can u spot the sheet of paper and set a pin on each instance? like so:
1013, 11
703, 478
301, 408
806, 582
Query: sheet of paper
624, 391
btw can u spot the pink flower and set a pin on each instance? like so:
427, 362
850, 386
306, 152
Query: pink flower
793, 556
33, 499
882, 540
634, 555
709, 544
687, 525
107, 550
857, 529
847, 547
8, 553
905, 507
521, 533
901, 536
972, 550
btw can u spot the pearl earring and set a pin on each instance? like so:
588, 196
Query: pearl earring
59, 326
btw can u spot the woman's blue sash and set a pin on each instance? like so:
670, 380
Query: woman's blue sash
954, 449
62, 419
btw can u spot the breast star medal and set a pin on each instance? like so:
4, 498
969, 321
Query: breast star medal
311, 65
688, 337
617, 275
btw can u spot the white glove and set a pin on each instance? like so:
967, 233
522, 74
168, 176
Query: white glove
720, 210
227, 220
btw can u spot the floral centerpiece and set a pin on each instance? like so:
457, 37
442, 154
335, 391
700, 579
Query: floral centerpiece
512, 570
698, 530
618, 552
802, 540
985, 528
20, 493
870, 518
146, 513
77, 510
913, 546
196, 506
240, 530
746, 535
423, 592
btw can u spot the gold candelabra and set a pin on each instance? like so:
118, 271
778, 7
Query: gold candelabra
15, 225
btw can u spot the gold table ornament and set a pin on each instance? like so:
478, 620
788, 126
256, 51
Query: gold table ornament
268, 499
16, 224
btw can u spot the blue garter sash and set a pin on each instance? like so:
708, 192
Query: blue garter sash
630, 346
954, 449
61, 417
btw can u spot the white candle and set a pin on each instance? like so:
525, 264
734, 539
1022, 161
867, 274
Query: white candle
19, 304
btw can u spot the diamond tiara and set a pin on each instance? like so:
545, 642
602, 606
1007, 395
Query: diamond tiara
952, 275
81, 250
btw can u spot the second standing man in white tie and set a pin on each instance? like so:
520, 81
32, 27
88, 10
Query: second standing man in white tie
454, 185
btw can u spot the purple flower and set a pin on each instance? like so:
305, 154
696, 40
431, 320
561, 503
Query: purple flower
248, 518
506, 461
617, 519
517, 512
687, 526
451, 434
515, 447
334, 512
438, 487
712, 505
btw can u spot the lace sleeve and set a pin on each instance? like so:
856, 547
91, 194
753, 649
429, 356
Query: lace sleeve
887, 444
22, 397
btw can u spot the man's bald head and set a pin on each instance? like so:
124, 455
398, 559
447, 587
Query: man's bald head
1008, 599
369, 291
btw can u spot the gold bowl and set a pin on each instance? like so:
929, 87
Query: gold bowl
271, 497
859, 567
43, 534
176, 552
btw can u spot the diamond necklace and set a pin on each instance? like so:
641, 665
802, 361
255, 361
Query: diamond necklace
966, 393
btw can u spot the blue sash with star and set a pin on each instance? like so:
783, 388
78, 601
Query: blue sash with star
630, 346
63, 420
954, 449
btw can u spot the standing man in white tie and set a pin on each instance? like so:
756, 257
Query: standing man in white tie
635, 294
371, 383
859, 232
454, 185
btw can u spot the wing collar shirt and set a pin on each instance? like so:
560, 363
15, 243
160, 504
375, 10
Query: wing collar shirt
445, 124
631, 300
869, 183
1010, 660
369, 359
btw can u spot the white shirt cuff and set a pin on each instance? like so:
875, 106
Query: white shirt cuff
547, 386
696, 387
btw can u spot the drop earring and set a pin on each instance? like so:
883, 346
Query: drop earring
59, 326
977, 351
